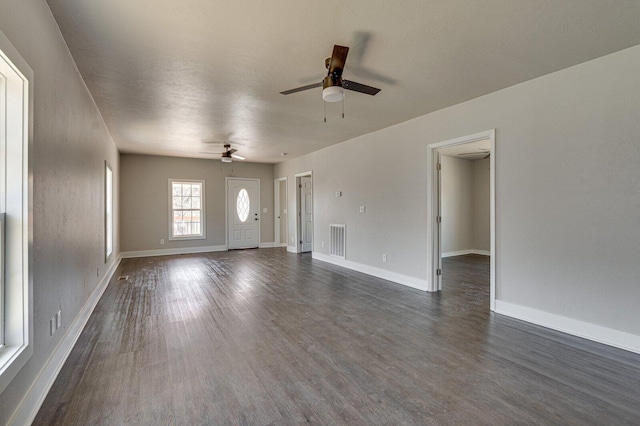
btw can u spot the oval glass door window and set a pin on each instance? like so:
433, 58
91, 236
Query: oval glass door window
242, 205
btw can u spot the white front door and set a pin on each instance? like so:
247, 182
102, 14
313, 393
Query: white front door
306, 212
243, 213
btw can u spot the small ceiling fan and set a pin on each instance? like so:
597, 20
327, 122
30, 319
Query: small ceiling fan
228, 155
333, 84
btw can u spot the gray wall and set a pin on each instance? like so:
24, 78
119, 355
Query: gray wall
465, 205
70, 145
567, 190
456, 191
481, 193
144, 209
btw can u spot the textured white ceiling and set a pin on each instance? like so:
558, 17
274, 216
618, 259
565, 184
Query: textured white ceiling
170, 76
469, 151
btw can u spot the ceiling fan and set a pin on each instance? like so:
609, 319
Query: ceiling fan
228, 155
333, 84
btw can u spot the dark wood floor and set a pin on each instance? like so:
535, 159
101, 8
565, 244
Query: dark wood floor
266, 337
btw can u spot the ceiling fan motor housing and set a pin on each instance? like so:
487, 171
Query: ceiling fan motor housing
332, 90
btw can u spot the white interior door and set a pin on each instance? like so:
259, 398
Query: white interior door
281, 211
243, 213
438, 226
306, 213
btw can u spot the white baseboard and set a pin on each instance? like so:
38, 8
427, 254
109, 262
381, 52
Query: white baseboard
597, 333
31, 403
267, 245
166, 252
281, 245
292, 249
463, 252
385, 274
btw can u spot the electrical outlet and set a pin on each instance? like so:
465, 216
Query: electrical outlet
58, 319
322, 244
264, 210
362, 209
384, 257
52, 326
162, 241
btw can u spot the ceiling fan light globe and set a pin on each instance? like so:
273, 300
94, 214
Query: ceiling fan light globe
226, 159
332, 94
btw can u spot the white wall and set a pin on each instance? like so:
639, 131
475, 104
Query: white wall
145, 207
70, 146
567, 192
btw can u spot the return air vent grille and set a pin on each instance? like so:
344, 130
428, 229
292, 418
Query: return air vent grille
338, 240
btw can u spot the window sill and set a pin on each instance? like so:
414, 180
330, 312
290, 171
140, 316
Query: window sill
187, 238
12, 359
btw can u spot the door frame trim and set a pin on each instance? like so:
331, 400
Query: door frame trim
276, 211
297, 176
226, 209
434, 249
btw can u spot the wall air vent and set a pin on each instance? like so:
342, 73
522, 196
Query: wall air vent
338, 240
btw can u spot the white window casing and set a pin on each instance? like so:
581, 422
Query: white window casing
108, 212
187, 219
16, 130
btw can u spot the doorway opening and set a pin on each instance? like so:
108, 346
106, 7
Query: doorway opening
304, 214
243, 213
280, 209
461, 198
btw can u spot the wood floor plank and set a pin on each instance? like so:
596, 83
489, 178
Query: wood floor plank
266, 337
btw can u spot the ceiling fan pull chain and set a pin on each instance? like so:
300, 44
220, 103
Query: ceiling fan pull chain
342, 106
325, 111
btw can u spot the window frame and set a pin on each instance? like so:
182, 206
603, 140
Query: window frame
203, 232
16, 200
2, 255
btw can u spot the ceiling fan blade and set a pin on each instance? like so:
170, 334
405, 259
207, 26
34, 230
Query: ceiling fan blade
232, 150
300, 89
338, 58
359, 47
359, 87
238, 157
